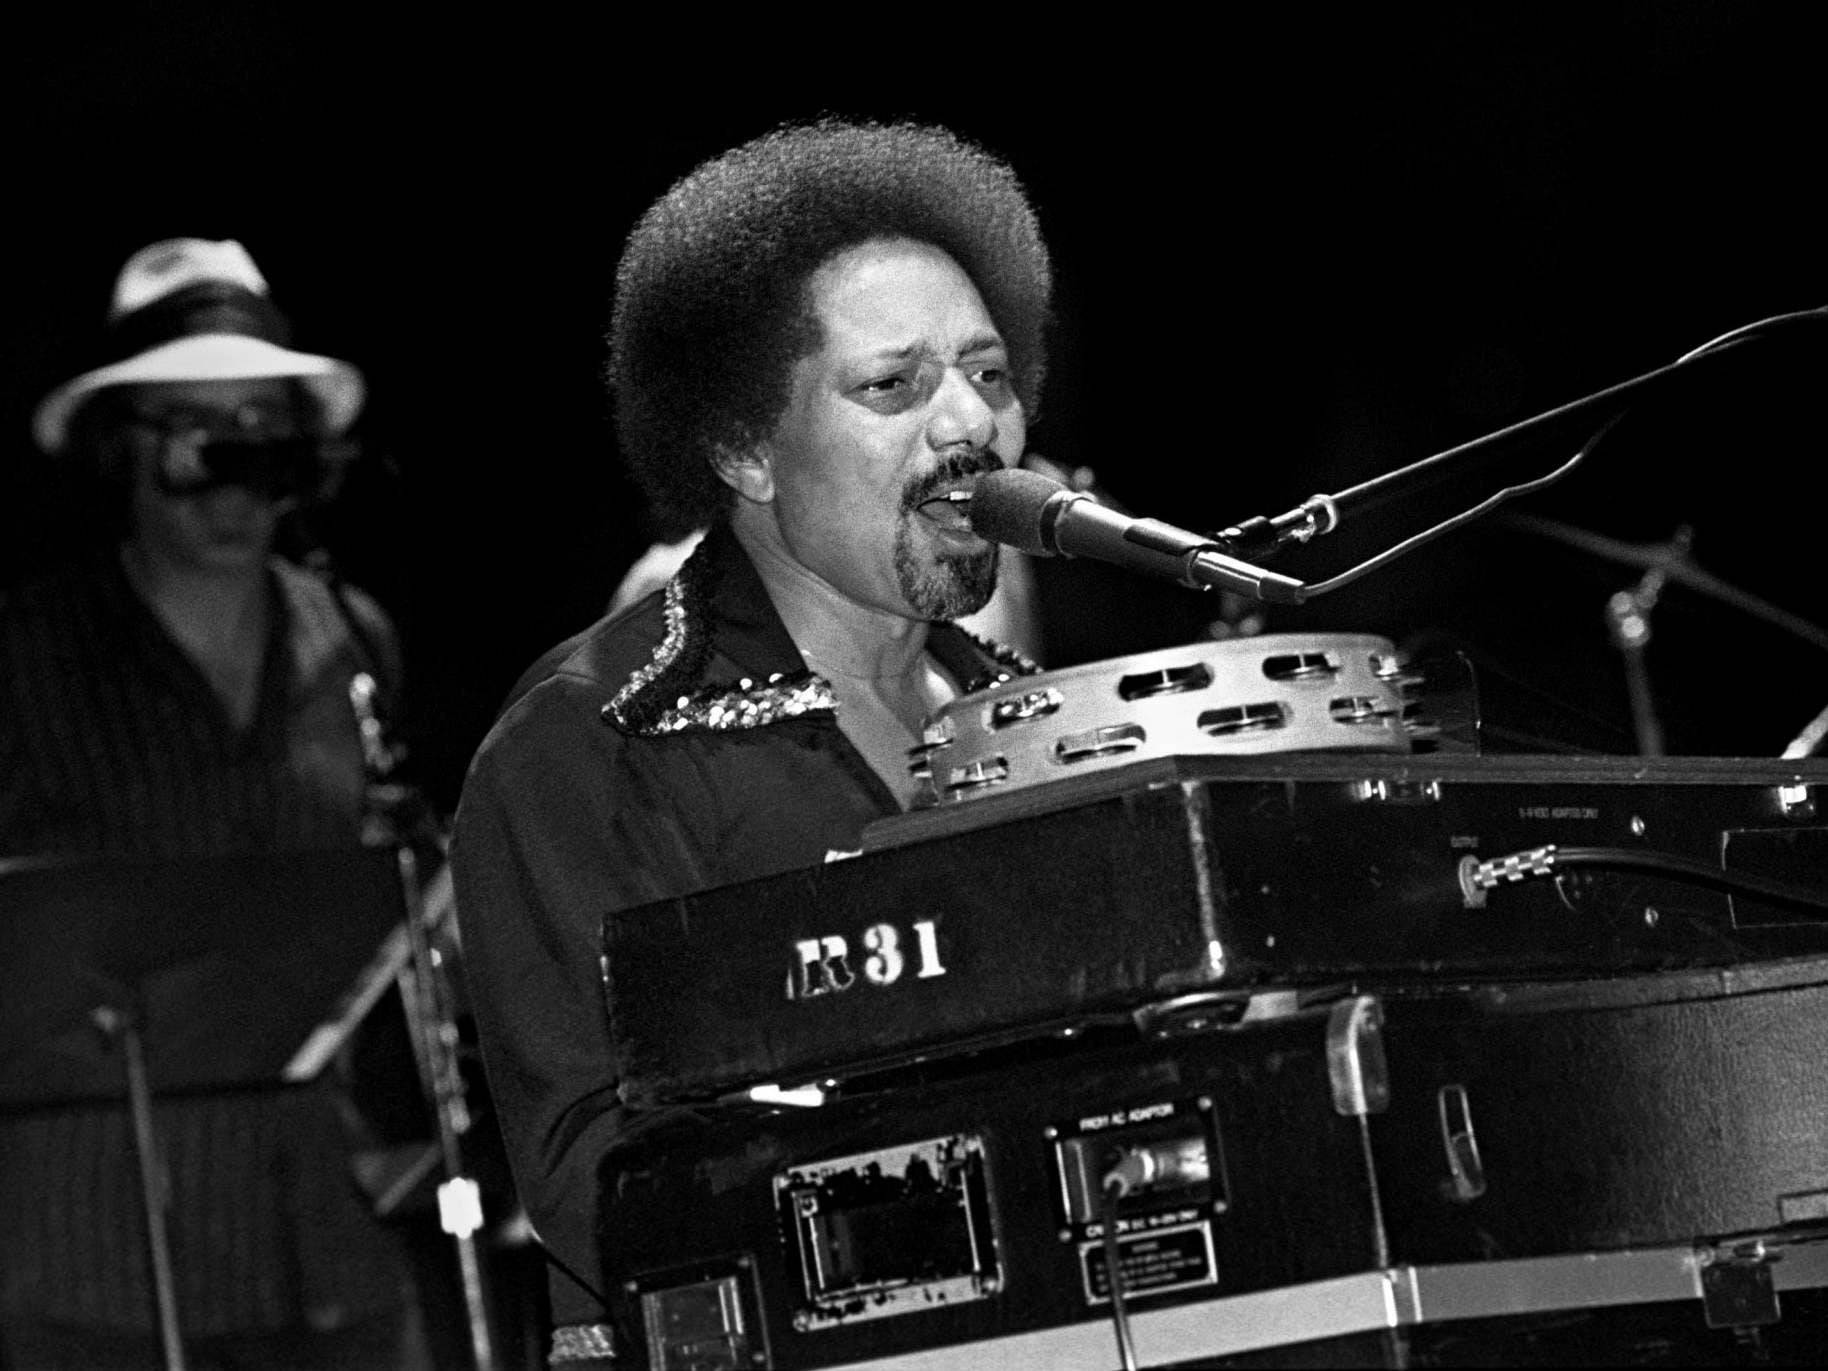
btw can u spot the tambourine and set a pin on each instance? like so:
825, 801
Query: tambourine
1246, 696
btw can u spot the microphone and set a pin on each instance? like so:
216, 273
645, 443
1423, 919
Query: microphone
1036, 515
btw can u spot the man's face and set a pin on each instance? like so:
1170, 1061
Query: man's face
907, 399
178, 512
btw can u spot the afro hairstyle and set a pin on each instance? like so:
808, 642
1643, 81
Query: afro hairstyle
713, 304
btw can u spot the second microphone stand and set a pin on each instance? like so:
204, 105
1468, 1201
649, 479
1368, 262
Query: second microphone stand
397, 818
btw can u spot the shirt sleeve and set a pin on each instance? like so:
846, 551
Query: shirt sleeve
562, 820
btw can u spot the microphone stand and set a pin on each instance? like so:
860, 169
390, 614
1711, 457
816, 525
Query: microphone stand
1259, 537
397, 817
1628, 619
120, 1023
426, 999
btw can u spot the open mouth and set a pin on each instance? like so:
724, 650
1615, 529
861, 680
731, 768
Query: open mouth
950, 509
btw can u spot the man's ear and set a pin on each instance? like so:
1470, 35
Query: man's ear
750, 473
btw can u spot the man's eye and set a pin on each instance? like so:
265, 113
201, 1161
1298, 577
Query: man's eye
891, 394
994, 382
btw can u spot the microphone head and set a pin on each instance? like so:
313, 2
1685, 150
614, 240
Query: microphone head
1010, 507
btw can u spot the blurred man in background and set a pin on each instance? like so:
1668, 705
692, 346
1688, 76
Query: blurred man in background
185, 694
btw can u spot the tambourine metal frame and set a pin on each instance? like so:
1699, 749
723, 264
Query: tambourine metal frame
1246, 696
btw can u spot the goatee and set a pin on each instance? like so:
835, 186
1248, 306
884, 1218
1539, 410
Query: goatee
951, 586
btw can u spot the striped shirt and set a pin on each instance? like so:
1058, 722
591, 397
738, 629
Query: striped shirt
112, 742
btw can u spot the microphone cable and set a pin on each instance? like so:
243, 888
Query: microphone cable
1466, 516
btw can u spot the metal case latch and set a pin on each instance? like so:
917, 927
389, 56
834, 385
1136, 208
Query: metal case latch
1737, 1290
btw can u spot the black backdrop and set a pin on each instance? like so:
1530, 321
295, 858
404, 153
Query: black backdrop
1292, 254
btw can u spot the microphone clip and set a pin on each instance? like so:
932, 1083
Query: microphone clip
1259, 537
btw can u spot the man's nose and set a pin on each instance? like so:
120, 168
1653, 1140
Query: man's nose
960, 414
180, 455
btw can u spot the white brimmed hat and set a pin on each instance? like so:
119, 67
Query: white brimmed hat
190, 309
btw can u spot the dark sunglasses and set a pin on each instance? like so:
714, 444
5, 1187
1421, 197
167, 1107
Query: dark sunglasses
278, 469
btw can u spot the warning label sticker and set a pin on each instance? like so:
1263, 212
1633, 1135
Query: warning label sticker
1151, 1263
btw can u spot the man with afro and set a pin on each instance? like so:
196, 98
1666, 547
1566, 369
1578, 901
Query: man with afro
817, 340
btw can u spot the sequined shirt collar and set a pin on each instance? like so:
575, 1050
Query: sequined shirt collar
669, 693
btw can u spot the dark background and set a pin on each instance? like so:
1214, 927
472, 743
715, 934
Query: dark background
1292, 254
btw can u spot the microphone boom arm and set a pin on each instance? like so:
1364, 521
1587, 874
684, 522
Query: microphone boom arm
1320, 514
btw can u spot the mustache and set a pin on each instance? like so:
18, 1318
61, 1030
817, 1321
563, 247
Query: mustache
976, 462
